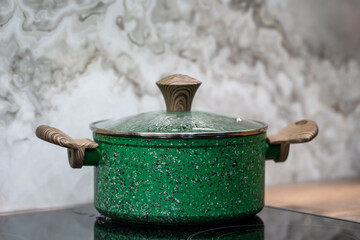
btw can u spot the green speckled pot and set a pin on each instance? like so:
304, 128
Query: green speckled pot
179, 166
179, 181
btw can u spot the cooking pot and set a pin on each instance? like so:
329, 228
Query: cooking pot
179, 166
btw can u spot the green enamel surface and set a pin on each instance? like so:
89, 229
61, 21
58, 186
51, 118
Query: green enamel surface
178, 122
179, 181
91, 157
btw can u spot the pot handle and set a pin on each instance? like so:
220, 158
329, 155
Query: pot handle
76, 147
297, 132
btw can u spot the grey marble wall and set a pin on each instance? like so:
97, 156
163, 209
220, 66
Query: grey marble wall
68, 63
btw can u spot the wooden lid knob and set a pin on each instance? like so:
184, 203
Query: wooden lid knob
178, 91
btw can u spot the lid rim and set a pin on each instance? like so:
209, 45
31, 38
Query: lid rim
184, 135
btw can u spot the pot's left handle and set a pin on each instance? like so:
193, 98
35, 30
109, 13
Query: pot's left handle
76, 147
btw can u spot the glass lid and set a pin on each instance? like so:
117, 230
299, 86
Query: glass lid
178, 121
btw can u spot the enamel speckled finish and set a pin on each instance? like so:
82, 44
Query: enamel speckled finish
179, 181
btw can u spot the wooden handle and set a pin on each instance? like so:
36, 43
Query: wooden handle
297, 132
76, 147
178, 91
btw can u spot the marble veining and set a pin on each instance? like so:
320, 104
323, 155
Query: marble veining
69, 63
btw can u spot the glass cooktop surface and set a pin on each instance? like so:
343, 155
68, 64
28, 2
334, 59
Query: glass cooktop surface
86, 223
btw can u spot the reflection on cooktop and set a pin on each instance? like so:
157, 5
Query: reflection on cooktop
86, 223
246, 229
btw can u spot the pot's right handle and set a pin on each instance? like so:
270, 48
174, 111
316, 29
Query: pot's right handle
297, 132
76, 147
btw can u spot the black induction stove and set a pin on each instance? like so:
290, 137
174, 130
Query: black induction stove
86, 223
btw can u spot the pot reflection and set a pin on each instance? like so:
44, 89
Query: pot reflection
252, 228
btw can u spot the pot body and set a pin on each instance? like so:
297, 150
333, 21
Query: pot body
179, 181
